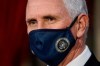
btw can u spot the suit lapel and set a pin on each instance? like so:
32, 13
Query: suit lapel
92, 61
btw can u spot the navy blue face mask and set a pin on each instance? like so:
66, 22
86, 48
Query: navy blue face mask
52, 45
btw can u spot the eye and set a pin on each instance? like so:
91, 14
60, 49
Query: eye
49, 18
32, 21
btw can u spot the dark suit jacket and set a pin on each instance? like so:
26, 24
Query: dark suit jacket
92, 61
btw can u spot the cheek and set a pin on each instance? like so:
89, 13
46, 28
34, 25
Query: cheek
74, 31
29, 29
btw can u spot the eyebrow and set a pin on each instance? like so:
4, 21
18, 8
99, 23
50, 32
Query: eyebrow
49, 16
30, 19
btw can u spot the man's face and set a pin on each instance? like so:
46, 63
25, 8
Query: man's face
46, 14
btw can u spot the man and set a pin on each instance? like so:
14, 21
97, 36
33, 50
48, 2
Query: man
57, 32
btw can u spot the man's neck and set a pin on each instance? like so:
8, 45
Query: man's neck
75, 51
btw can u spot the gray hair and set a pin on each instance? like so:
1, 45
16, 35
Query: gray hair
75, 7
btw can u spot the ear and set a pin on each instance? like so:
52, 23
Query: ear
83, 23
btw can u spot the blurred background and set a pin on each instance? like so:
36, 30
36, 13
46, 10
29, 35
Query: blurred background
14, 44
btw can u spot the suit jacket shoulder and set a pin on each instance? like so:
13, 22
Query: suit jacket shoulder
92, 61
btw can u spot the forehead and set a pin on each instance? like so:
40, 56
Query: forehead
43, 7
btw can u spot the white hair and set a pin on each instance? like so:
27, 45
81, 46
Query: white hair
75, 7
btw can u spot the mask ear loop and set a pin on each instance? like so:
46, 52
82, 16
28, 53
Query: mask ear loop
73, 22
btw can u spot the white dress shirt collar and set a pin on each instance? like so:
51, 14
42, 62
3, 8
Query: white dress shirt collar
81, 59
